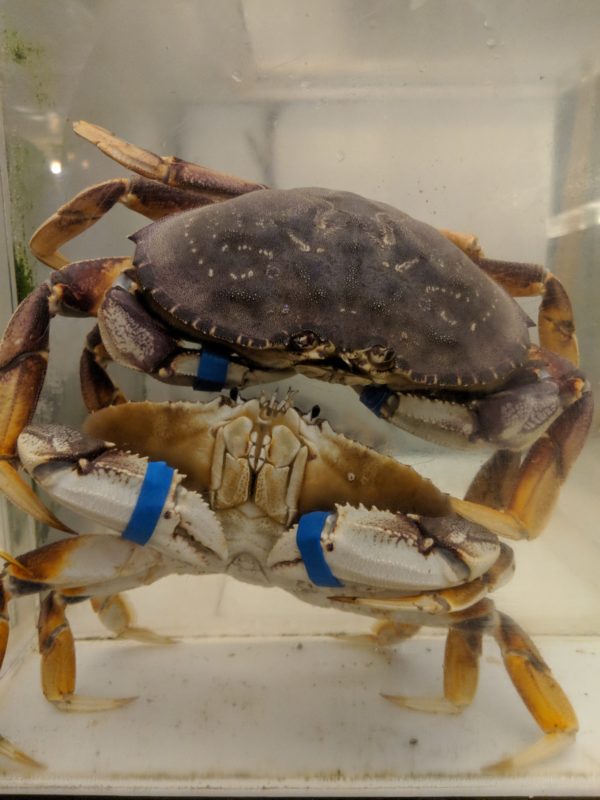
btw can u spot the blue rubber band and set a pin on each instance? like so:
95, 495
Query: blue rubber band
150, 502
212, 370
373, 397
308, 539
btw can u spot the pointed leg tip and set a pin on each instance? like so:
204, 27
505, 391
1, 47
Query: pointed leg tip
397, 699
88, 130
549, 746
8, 749
357, 639
146, 636
23, 496
502, 523
427, 704
79, 704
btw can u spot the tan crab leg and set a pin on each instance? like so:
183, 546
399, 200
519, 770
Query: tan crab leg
461, 675
147, 197
536, 486
556, 325
519, 497
167, 185
527, 670
23, 359
97, 387
169, 170
555, 319
66, 568
57, 649
116, 614
467, 242
385, 633
540, 692
78, 288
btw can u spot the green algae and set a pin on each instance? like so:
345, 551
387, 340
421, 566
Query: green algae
20, 158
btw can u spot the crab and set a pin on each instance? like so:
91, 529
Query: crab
235, 284
268, 495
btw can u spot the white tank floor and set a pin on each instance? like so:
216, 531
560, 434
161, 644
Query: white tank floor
293, 715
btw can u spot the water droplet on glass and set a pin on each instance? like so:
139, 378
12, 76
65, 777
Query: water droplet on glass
236, 76
486, 23
340, 155
305, 84
491, 43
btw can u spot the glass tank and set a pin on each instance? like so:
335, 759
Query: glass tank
479, 117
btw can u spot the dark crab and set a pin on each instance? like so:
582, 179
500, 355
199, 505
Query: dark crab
320, 282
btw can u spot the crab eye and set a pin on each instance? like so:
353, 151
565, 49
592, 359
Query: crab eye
304, 341
379, 354
315, 411
234, 393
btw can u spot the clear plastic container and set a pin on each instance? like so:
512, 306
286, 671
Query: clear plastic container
474, 116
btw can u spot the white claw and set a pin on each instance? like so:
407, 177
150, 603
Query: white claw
106, 487
386, 550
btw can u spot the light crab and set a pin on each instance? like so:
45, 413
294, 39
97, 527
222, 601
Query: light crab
275, 497
236, 284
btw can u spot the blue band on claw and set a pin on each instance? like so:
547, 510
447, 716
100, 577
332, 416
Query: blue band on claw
211, 374
150, 503
373, 397
308, 539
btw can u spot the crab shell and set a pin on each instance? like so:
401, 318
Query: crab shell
314, 274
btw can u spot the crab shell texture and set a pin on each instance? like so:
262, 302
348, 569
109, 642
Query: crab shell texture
315, 274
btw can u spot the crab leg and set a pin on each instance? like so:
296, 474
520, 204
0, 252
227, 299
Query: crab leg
214, 185
97, 387
556, 325
529, 673
73, 570
23, 359
546, 414
77, 289
533, 490
461, 673
116, 615
385, 633
57, 649
165, 185
149, 198
90, 566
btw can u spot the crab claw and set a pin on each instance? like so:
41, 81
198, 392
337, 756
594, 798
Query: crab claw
106, 485
394, 551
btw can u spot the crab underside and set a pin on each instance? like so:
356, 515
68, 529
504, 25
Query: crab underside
274, 497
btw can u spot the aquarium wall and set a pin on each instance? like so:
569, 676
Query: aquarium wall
479, 116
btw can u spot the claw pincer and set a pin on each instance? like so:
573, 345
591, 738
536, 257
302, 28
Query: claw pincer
361, 546
135, 497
